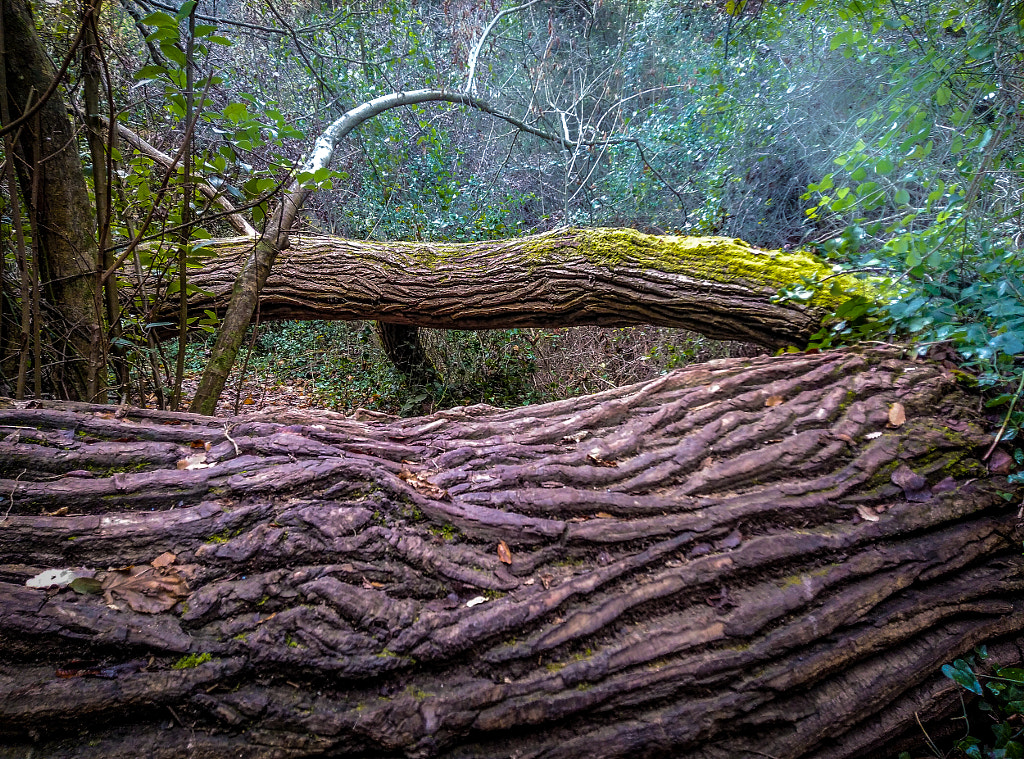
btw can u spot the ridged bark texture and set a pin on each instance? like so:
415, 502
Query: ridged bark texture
612, 277
401, 344
752, 557
66, 222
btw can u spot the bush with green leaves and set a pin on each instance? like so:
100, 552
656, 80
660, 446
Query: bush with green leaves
927, 190
996, 699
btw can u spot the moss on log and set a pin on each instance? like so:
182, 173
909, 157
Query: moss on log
752, 557
717, 286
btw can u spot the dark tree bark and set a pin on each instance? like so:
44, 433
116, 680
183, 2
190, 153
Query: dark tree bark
401, 344
753, 557
47, 158
719, 287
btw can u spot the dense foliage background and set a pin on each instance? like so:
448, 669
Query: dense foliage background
883, 135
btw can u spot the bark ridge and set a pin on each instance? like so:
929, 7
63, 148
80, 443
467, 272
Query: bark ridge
747, 554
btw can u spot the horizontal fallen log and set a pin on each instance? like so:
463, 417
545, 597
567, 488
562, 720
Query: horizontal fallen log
754, 557
719, 287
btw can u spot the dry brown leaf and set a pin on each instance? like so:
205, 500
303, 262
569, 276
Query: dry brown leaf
164, 560
248, 401
604, 515
144, 588
423, 486
774, 400
197, 444
897, 415
195, 461
596, 459
867, 514
504, 554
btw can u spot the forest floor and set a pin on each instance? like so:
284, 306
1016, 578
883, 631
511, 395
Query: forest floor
339, 366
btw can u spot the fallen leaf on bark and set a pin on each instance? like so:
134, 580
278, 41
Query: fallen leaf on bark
163, 560
504, 554
867, 514
195, 461
774, 400
144, 588
419, 482
897, 415
86, 585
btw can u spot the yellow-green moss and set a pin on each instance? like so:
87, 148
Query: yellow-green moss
720, 259
191, 661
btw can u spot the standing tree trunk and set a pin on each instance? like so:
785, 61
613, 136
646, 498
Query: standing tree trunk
755, 557
47, 154
401, 344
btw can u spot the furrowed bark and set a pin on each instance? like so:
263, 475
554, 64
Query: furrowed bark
401, 344
65, 220
611, 277
744, 558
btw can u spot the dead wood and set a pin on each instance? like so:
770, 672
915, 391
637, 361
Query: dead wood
754, 557
609, 277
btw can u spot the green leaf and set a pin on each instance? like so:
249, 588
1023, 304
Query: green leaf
964, 677
902, 197
150, 72
883, 166
236, 112
186, 9
83, 585
981, 52
173, 52
161, 19
943, 95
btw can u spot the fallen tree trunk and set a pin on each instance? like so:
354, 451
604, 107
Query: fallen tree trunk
757, 557
719, 287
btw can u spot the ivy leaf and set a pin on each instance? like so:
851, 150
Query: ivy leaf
964, 677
